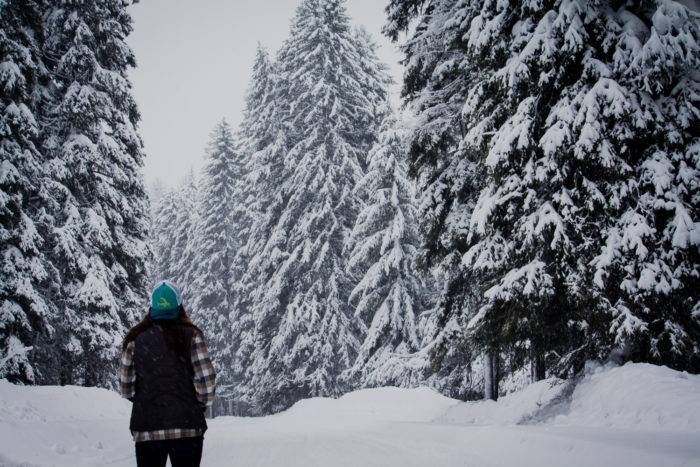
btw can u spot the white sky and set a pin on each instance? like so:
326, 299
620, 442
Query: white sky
194, 61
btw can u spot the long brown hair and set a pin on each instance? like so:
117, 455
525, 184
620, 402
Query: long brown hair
175, 332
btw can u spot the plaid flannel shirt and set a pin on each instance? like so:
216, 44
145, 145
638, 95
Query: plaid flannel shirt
204, 384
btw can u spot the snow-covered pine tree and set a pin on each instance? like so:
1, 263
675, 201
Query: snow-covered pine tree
305, 301
98, 241
156, 190
375, 82
258, 134
265, 244
402, 13
23, 307
567, 178
536, 214
158, 197
175, 217
553, 119
265, 131
163, 233
520, 239
649, 266
210, 292
448, 180
255, 136
262, 143
388, 296
186, 214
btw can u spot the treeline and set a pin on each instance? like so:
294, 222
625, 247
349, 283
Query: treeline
296, 248
555, 154
73, 211
537, 210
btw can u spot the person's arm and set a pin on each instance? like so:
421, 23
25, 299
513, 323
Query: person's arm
204, 374
127, 374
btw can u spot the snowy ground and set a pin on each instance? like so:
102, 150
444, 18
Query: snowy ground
636, 415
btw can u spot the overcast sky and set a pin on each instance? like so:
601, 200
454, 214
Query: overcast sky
194, 61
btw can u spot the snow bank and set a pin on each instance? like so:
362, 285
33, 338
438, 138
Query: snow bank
635, 397
515, 408
52, 403
70, 425
635, 415
388, 404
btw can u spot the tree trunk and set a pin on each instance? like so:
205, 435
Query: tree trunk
537, 367
491, 376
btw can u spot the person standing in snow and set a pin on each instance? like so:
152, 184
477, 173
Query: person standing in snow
167, 373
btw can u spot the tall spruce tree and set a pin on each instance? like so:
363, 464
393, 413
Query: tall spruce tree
270, 144
255, 136
305, 300
262, 142
550, 107
211, 290
388, 296
447, 176
186, 215
258, 134
176, 216
375, 82
537, 214
24, 310
649, 266
98, 239
163, 227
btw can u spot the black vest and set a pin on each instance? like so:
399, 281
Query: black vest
165, 394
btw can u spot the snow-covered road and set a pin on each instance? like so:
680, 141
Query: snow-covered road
237, 443
636, 415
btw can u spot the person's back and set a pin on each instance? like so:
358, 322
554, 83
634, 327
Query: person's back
167, 373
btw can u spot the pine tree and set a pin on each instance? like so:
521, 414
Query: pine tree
589, 148
257, 191
388, 295
175, 219
257, 187
24, 310
649, 265
210, 292
375, 82
255, 137
184, 217
538, 199
265, 133
98, 240
530, 188
163, 231
448, 180
269, 144
305, 301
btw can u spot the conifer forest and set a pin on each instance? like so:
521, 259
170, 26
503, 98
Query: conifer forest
528, 204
